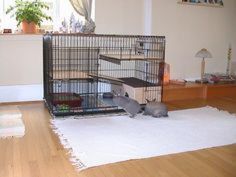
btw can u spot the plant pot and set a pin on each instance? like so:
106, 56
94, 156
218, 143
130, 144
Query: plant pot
28, 28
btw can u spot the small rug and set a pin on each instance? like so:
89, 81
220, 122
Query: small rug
11, 124
99, 141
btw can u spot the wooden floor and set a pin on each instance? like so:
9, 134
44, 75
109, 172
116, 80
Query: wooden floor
39, 153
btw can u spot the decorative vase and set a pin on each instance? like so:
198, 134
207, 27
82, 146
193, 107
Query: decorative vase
29, 28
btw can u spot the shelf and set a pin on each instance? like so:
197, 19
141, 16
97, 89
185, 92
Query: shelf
149, 42
109, 78
202, 4
60, 75
137, 83
117, 58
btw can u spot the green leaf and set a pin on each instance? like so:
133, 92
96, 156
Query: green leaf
31, 11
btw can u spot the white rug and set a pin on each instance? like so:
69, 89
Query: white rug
104, 140
11, 123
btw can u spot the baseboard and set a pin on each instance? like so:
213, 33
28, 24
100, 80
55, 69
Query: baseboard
21, 103
21, 93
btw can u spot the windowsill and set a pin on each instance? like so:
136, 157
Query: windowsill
5, 34
20, 37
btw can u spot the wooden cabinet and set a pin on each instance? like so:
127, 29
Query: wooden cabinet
220, 90
174, 92
198, 91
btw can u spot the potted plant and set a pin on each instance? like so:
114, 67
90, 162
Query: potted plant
29, 13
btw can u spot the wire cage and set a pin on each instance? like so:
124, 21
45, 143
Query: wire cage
81, 71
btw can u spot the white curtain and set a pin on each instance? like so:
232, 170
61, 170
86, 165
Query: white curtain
83, 7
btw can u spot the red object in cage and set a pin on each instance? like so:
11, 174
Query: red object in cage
70, 99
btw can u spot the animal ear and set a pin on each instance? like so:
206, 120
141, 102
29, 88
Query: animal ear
114, 93
147, 100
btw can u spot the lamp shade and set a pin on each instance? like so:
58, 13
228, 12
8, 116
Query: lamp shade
203, 53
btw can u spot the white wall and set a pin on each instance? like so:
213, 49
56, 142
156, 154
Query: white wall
21, 67
187, 29
233, 64
119, 16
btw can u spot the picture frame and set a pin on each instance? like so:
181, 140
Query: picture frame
210, 3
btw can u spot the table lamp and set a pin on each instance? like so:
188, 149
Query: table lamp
203, 53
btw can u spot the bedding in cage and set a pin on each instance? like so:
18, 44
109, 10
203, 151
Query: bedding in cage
80, 69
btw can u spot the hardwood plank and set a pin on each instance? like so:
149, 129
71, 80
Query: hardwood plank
40, 154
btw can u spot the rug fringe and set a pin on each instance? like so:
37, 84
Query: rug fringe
76, 162
221, 110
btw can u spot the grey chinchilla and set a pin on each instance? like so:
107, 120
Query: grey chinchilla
155, 109
130, 105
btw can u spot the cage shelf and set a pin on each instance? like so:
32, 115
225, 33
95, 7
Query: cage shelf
61, 75
137, 83
109, 78
117, 58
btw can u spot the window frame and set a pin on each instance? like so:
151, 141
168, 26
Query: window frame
57, 15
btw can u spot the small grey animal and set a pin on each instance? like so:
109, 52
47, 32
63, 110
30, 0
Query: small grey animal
130, 105
155, 109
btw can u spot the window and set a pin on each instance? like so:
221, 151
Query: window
6, 21
59, 10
